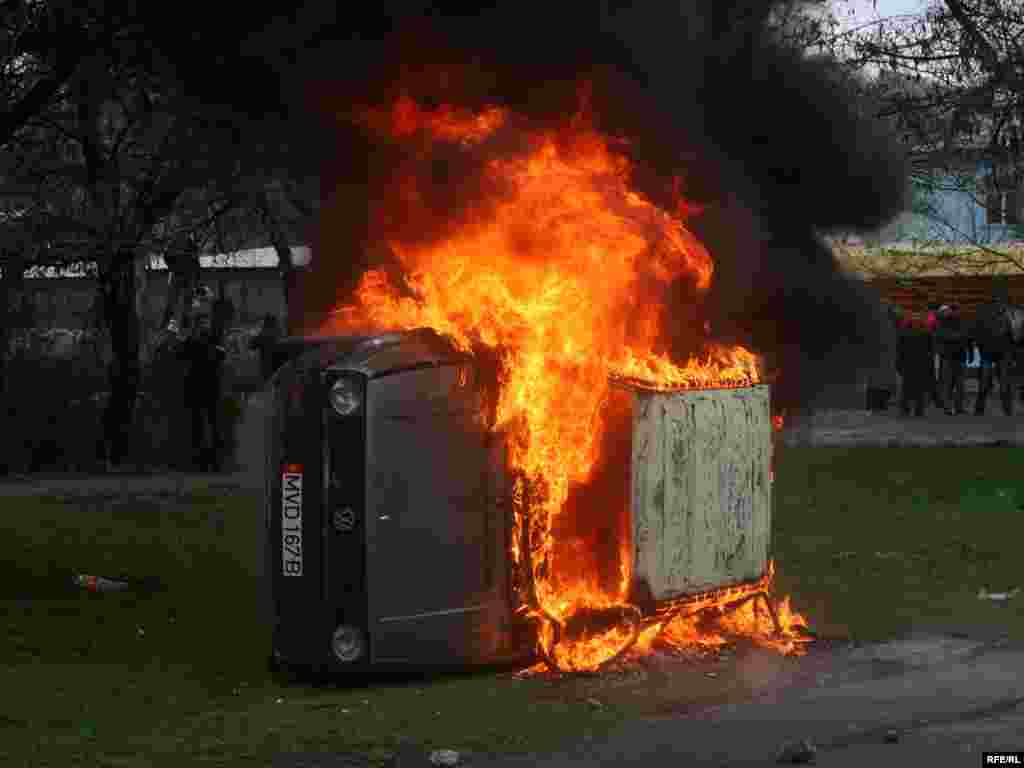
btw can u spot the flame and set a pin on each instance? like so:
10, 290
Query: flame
406, 118
562, 272
753, 618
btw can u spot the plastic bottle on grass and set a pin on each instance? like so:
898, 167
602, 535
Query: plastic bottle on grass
93, 583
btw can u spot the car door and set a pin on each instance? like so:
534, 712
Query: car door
434, 531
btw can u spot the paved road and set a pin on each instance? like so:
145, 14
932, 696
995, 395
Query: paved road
843, 428
922, 701
947, 699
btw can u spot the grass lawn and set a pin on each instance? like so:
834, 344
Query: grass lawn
870, 542
879, 541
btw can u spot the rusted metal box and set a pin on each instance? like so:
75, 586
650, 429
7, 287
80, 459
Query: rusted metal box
700, 489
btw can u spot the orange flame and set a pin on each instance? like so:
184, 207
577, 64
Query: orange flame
406, 118
563, 272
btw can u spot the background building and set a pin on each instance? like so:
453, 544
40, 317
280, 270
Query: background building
250, 279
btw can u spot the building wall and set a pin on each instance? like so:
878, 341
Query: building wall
915, 294
69, 302
955, 216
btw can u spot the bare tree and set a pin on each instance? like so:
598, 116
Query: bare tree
953, 80
287, 210
42, 46
123, 163
114, 147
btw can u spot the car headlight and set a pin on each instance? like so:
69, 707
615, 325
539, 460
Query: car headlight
348, 644
344, 397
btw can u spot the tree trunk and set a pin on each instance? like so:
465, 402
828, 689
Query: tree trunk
11, 290
223, 312
285, 264
121, 317
12, 311
183, 268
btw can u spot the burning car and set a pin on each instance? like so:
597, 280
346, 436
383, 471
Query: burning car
615, 242
489, 445
396, 525
386, 538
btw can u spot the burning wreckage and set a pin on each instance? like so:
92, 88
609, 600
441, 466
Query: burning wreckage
540, 420
496, 455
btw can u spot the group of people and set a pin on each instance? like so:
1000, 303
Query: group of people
941, 335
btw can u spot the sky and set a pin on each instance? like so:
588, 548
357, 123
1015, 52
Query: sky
867, 10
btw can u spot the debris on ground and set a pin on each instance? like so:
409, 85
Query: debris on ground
801, 752
92, 583
999, 597
444, 757
99, 584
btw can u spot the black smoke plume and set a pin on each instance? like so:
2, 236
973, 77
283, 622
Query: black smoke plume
770, 143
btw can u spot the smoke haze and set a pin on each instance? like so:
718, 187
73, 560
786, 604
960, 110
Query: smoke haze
770, 144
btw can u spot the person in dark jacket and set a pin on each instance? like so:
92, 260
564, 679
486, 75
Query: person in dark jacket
204, 359
932, 323
264, 342
915, 363
951, 341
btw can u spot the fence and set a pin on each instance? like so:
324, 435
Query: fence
57, 388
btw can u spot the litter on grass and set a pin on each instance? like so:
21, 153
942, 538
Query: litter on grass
998, 597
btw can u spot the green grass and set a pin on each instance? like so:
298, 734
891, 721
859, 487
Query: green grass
874, 542
85, 687
871, 543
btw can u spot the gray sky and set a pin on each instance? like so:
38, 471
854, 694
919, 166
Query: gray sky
861, 11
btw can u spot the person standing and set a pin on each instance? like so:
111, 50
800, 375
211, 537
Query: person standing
222, 315
951, 340
932, 324
204, 358
915, 363
264, 342
988, 360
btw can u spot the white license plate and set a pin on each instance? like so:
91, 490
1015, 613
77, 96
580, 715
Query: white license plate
291, 521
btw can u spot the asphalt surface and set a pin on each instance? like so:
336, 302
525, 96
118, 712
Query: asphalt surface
943, 700
891, 428
922, 701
